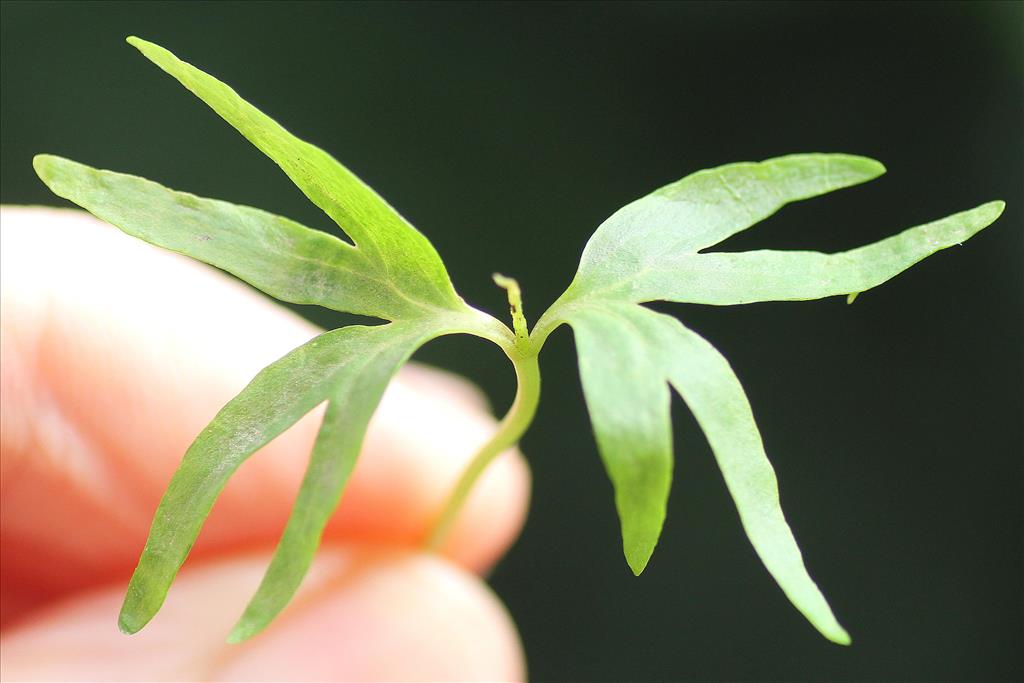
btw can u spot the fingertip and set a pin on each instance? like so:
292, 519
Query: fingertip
363, 614
386, 616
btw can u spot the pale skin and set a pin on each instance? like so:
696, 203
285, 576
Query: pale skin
113, 355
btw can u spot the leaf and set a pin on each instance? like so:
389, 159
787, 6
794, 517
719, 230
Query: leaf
722, 278
278, 256
391, 272
394, 246
359, 358
628, 354
355, 396
628, 401
631, 405
705, 208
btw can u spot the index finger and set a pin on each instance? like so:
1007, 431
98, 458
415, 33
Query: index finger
116, 354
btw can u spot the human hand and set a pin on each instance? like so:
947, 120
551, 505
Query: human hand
113, 356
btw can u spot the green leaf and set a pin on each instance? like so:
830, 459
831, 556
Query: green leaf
628, 354
355, 395
359, 358
710, 388
397, 249
703, 209
612, 340
723, 278
628, 401
278, 256
671, 353
391, 272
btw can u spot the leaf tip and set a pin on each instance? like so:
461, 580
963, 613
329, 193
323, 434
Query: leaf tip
149, 50
637, 559
981, 217
827, 625
856, 169
54, 171
246, 627
41, 164
238, 635
839, 636
137, 42
997, 207
127, 624
872, 167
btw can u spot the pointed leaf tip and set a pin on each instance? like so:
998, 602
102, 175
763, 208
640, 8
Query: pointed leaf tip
870, 168
840, 637
150, 51
141, 45
238, 635
127, 625
389, 243
48, 169
39, 163
638, 562
997, 207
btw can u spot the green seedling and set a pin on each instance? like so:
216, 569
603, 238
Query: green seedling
629, 355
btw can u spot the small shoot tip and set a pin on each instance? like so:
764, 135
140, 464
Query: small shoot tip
505, 282
515, 303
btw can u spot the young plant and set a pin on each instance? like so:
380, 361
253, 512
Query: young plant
629, 355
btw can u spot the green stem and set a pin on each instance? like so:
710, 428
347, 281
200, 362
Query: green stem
509, 430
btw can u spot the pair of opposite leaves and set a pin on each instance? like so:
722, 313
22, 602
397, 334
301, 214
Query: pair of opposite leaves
628, 354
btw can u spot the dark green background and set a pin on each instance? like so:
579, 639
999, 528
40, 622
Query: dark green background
507, 133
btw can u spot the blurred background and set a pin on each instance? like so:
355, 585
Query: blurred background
507, 133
